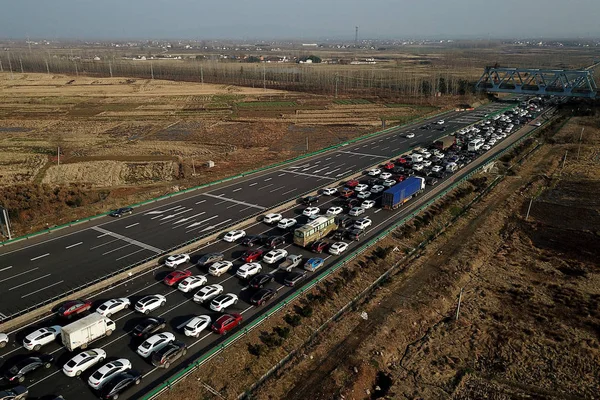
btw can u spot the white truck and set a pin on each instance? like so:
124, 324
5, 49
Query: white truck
81, 333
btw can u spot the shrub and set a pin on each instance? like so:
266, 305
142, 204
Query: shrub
306, 311
257, 349
284, 332
293, 320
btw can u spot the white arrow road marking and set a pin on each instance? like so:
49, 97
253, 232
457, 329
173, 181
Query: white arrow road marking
154, 212
176, 214
215, 225
188, 218
201, 222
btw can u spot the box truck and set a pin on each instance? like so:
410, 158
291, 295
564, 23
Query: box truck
400, 193
81, 333
444, 143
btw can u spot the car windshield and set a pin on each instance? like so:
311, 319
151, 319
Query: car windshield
145, 345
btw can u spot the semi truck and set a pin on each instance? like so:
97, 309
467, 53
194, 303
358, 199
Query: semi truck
88, 329
444, 142
403, 191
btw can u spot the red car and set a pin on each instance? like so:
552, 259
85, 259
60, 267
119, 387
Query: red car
73, 307
400, 178
176, 276
346, 192
319, 246
352, 183
226, 322
401, 160
389, 166
252, 255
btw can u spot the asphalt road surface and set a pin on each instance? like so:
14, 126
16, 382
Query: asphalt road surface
180, 308
36, 270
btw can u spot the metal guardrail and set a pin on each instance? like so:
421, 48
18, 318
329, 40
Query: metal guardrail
231, 340
242, 175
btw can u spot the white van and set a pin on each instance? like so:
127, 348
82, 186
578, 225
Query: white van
417, 158
451, 167
475, 145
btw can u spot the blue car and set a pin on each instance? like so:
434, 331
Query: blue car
313, 263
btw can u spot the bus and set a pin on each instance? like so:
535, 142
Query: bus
314, 230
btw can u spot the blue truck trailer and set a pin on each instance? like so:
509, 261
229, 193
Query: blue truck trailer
400, 193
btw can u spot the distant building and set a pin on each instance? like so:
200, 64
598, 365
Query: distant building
310, 45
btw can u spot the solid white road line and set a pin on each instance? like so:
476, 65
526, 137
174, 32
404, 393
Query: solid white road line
234, 201
332, 171
304, 174
128, 240
363, 154
129, 226
73, 245
19, 274
28, 282
241, 312
277, 189
39, 290
253, 184
290, 191
42, 256
266, 186
130, 254
236, 190
103, 244
116, 249
4, 269
268, 179
200, 202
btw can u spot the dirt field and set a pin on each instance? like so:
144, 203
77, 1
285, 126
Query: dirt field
140, 138
530, 315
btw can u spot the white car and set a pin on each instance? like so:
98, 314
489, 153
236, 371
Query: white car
207, 293
223, 301
232, 236
275, 255
155, 343
247, 270
150, 303
377, 189
389, 183
437, 168
410, 135
361, 187
417, 167
385, 175
192, 282
364, 195
356, 211
3, 340
363, 223
367, 204
272, 218
196, 325
426, 163
311, 211
425, 153
176, 260
287, 223
486, 147
220, 267
107, 371
108, 308
440, 122
329, 191
374, 172
82, 361
35, 340
335, 211
338, 248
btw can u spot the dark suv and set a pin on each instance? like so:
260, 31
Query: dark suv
274, 241
149, 326
310, 200
345, 222
121, 211
354, 233
209, 259
171, 352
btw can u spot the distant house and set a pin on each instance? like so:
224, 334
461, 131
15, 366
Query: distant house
96, 58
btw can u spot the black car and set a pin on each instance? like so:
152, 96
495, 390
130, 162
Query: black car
252, 240
425, 127
274, 241
294, 278
119, 383
374, 181
149, 326
431, 181
171, 352
398, 170
121, 211
209, 259
354, 233
442, 129
319, 246
18, 370
338, 234
310, 200
16, 393
260, 280
345, 222
262, 296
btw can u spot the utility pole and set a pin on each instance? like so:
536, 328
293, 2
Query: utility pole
529, 209
356, 36
193, 167
264, 77
459, 301
580, 138
110, 68
10, 67
336, 85
152, 71
47, 66
1, 69
21, 62
4, 218
201, 74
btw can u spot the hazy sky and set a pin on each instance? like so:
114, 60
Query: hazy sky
306, 19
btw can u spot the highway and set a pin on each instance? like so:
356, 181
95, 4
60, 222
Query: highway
180, 308
39, 269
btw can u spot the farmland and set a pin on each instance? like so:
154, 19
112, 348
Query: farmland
126, 140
